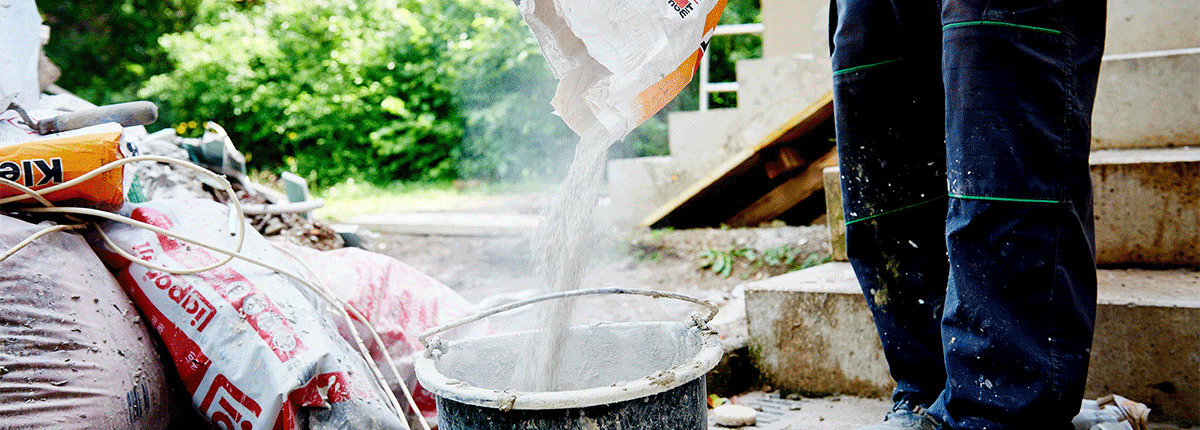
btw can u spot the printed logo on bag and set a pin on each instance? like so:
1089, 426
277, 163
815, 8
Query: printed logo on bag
259, 312
137, 403
246, 298
683, 7
234, 410
188, 298
24, 171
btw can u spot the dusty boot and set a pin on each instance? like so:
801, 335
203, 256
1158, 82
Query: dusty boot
905, 416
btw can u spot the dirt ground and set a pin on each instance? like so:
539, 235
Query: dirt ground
494, 270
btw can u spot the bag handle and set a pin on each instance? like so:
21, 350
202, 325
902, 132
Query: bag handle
700, 321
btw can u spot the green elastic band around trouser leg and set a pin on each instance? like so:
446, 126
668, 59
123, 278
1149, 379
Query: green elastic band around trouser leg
1003, 199
896, 210
863, 67
1001, 24
957, 196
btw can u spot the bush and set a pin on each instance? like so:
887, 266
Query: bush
376, 90
373, 90
107, 48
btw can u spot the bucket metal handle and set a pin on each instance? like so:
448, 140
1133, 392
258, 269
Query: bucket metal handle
712, 307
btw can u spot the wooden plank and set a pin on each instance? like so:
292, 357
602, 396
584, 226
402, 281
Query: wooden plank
725, 178
788, 194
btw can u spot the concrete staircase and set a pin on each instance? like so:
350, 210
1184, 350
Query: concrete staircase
771, 92
810, 331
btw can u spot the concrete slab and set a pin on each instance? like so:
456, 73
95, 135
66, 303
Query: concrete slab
690, 135
810, 332
795, 27
1146, 207
640, 185
773, 89
448, 223
832, 413
1151, 25
1148, 100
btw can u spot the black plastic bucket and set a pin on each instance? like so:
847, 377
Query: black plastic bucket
627, 376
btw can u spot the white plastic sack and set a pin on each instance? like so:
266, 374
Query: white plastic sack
20, 35
398, 300
619, 61
256, 349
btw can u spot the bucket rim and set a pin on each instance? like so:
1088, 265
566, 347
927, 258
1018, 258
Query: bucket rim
697, 366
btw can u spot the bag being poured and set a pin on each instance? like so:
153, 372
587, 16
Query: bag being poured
619, 61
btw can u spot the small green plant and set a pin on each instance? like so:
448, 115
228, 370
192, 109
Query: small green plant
722, 262
781, 259
657, 235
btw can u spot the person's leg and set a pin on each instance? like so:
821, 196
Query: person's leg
888, 106
1021, 300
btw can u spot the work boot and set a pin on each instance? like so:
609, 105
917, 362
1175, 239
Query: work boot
905, 416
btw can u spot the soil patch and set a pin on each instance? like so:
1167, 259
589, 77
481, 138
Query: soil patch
494, 270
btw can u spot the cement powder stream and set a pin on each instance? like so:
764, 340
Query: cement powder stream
563, 245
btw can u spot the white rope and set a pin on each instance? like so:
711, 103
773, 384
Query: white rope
35, 236
236, 216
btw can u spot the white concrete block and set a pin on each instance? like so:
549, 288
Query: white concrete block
1150, 101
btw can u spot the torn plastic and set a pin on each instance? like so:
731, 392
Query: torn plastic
18, 64
619, 62
1112, 412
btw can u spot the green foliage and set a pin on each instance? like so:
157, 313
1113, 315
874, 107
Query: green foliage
722, 262
375, 90
332, 90
726, 51
370, 89
659, 233
106, 48
781, 259
504, 87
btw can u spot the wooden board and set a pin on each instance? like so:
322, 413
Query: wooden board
728, 193
786, 195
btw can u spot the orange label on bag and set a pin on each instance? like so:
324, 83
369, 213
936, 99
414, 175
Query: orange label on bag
662, 92
46, 163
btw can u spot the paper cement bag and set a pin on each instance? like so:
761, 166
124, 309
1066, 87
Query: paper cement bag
256, 349
620, 61
40, 162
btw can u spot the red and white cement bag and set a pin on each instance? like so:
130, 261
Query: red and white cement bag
619, 62
74, 352
256, 349
398, 300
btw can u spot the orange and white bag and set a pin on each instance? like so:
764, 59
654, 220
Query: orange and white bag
40, 162
619, 62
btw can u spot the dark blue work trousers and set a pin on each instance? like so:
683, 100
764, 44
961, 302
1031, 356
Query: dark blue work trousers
963, 132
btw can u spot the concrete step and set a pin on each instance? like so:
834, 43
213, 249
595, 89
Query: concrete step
1145, 207
638, 186
810, 332
1148, 99
772, 92
1151, 25
773, 89
697, 139
830, 413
